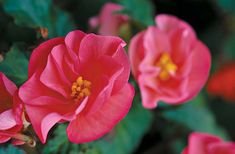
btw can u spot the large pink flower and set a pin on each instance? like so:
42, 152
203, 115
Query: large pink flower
168, 61
83, 79
202, 143
109, 21
10, 111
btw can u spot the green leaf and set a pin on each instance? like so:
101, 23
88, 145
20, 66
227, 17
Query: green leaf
42, 13
15, 66
196, 116
123, 139
141, 11
229, 48
10, 150
227, 5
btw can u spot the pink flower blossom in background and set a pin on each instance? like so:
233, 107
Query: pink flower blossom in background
168, 62
108, 21
10, 111
202, 143
82, 79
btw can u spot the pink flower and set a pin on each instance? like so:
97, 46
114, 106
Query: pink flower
168, 61
10, 111
83, 79
201, 143
109, 22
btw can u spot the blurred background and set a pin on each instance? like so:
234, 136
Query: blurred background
24, 24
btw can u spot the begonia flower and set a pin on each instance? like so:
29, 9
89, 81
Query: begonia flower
202, 143
81, 78
109, 21
168, 62
222, 82
11, 111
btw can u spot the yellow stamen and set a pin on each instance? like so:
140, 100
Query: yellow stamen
80, 88
167, 66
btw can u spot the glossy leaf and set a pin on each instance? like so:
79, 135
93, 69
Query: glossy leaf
15, 65
10, 150
141, 11
37, 14
196, 116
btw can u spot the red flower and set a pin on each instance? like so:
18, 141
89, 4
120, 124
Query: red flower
222, 82
201, 143
10, 111
109, 22
168, 61
83, 79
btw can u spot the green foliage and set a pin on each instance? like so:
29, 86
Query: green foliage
229, 48
141, 11
123, 139
39, 13
196, 116
227, 5
15, 65
10, 150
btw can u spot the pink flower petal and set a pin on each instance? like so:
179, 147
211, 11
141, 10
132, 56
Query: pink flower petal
53, 75
7, 120
85, 129
73, 40
222, 148
199, 70
99, 45
42, 51
4, 139
136, 52
198, 143
155, 42
42, 120
109, 21
169, 23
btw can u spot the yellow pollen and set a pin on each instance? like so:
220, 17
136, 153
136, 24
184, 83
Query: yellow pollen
80, 88
167, 66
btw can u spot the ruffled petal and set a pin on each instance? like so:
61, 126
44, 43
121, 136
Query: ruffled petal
222, 148
73, 40
93, 46
121, 57
155, 43
85, 129
53, 75
136, 53
42, 51
7, 120
169, 24
42, 120
33, 88
199, 71
198, 142
7, 90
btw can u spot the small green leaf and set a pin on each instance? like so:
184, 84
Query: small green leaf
141, 11
15, 66
196, 116
10, 150
42, 13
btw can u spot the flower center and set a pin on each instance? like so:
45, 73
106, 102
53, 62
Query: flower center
167, 66
80, 88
